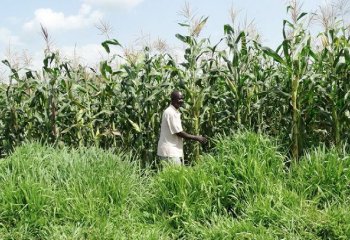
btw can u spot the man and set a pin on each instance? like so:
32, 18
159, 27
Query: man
170, 144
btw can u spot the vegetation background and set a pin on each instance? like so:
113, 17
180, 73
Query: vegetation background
243, 186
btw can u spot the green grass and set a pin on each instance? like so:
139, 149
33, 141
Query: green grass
242, 190
85, 193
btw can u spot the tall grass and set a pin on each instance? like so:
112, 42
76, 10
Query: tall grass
322, 176
244, 191
241, 190
85, 193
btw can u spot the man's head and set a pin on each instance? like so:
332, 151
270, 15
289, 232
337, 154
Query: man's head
177, 99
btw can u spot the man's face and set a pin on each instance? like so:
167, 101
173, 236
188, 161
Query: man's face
178, 101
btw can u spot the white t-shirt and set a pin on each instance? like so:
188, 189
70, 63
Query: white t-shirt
169, 144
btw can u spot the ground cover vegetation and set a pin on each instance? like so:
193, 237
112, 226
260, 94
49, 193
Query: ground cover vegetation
78, 144
240, 190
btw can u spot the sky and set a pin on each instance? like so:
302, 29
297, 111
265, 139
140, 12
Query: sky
72, 24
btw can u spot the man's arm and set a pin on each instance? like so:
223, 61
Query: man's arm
186, 135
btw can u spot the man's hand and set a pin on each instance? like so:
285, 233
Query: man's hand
197, 138
201, 139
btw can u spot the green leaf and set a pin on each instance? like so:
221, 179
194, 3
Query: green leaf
185, 39
106, 44
286, 50
241, 35
285, 22
228, 29
347, 56
314, 55
273, 54
29, 74
202, 23
184, 24
105, 68
340, 66
301, 15
48, 60
14, 71
7, 63
65, 66
135, 126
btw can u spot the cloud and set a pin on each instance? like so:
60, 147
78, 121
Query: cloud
6, 37
58, 21
114, 4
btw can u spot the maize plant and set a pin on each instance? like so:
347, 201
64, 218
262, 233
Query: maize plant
294, 60
297, 92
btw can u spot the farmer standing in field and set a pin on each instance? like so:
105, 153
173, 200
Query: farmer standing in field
170, 144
